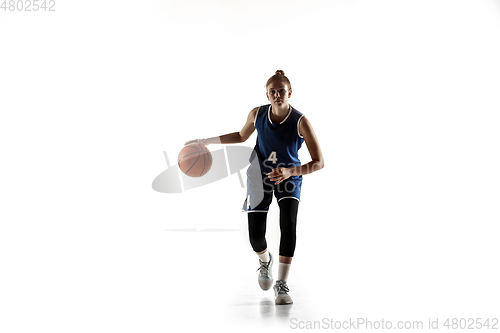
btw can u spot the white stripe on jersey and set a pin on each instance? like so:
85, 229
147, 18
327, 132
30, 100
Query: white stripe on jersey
298, 123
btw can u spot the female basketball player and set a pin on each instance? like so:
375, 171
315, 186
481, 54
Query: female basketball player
275, 168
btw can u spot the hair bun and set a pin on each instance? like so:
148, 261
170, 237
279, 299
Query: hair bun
279, 71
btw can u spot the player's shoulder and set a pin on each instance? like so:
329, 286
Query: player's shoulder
256, 109
304, 125
253, 113
297, 112
301, 119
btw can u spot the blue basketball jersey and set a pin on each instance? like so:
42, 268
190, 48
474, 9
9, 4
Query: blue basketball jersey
277, 143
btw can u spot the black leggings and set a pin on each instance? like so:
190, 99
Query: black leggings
288, 226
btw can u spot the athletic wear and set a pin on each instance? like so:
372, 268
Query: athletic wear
265, 277
283, 270
257, 230
277, 146
288, 226
281, 293
264, 256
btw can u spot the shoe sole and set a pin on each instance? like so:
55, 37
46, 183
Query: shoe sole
283, 300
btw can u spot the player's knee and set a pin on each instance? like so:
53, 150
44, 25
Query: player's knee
288, 226
288, 214
257, 240
257, 231
258, 244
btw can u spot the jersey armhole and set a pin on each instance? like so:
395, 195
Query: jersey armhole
298, 125
256, 115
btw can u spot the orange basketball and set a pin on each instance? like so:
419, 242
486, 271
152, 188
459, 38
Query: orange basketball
195, 160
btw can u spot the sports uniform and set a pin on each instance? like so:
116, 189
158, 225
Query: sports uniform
277, 146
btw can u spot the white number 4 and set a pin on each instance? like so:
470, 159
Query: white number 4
273, 158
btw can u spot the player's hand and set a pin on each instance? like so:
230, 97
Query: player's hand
279, 174
202, 141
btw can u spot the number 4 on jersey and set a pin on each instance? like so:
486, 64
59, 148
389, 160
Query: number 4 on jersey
273, 158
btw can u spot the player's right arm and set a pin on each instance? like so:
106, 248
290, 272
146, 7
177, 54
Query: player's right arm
236, 137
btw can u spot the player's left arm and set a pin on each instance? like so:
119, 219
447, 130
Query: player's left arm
305, 129
318, 162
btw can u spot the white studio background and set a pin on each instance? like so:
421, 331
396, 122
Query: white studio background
402, 222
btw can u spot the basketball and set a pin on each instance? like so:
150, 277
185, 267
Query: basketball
195, 160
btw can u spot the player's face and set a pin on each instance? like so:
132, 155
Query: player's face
278, 93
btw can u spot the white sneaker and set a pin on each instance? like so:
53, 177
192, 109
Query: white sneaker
281, 293
265, 277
